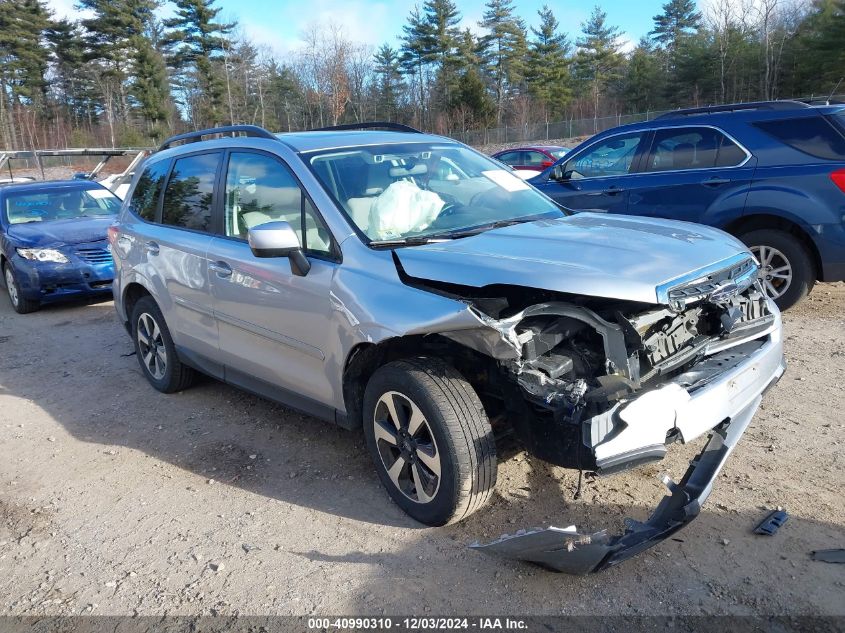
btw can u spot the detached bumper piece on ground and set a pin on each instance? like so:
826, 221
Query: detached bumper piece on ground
571, 551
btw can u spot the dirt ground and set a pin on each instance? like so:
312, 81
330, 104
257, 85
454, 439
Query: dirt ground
115, 499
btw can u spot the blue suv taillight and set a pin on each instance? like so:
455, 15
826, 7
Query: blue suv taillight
838, 178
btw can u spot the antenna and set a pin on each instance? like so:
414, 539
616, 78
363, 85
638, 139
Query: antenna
835, 88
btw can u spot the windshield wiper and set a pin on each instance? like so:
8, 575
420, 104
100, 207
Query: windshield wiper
413, 240
416, 240
487, 227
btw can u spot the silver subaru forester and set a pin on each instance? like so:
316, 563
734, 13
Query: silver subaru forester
405, 284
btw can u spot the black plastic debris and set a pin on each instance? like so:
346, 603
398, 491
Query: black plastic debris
771, 523
829, 555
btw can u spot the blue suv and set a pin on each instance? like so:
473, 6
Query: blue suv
771, 173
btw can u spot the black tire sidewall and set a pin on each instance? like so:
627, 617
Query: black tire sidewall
24, 305
803, 271
440, 509
149, 306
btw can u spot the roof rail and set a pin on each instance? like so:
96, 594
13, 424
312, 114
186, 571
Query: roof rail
735, 107
194, 137
369, 125
822, 101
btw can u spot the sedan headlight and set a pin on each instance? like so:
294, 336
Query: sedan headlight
43, 255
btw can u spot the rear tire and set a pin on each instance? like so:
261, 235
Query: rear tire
437, 459
20, 304
787, 274
155, 349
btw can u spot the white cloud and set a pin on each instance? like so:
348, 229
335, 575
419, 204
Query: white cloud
66, 9
362, 21
626, 44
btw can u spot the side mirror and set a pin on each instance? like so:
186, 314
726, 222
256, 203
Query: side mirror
278, 239
558, 173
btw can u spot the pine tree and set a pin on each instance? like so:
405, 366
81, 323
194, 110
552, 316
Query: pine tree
23, 63
440, 40
547, 71
504, 49
599, 60
74, 86
133, 77
150, 85
679, 19
644, 79
414, 58
389, 83
195, 43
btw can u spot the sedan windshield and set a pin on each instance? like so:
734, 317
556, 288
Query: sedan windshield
65, 203
418, 191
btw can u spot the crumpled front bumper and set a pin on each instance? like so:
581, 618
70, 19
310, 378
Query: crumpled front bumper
727, 403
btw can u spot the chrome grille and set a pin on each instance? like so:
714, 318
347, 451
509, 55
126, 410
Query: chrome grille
742, 274
95, 255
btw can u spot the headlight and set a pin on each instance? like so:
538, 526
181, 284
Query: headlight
43, 255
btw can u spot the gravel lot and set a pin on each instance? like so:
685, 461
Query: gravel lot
115, 499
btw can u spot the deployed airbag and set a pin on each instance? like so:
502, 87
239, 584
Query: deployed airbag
401, 209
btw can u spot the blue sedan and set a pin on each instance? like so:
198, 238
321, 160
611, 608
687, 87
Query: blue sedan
53, 241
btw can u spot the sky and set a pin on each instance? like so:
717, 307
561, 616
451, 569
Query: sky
279, 23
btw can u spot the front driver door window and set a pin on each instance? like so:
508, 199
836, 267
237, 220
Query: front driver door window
612, 157
598, 177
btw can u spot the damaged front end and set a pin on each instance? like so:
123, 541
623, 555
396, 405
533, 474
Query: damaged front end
606, 386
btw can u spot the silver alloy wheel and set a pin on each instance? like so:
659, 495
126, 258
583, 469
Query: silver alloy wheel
151, 346
407, 447
775, 270
11, 287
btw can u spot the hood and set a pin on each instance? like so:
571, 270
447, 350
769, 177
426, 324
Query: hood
60, 232
590, 254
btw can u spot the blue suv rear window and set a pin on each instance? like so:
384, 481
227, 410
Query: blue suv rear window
811, 135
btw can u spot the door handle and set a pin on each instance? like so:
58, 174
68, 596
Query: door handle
151, 248
613, 190
715, 181
221, 268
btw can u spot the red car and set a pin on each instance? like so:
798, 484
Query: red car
531, 158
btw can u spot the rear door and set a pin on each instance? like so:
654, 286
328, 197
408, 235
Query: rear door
176, 249
273, 324
692, 173
597, 177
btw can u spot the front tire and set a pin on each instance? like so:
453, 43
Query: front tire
155, 349
20, 304
787, 271
430, 440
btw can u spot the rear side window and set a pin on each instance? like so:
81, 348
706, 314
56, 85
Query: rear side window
692, 148
511, 158
145, 195
810, 135
190, 190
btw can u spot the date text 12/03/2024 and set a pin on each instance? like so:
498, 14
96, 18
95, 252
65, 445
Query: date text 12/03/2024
417, 624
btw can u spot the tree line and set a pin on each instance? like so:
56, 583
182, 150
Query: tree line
123, 76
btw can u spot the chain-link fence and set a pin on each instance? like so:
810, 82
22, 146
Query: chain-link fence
573, 128
548, 131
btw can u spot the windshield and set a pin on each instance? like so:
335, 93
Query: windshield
66, 203
419, 190
559, 153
